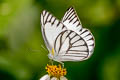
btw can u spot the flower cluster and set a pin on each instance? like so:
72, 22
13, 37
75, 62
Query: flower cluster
56, 71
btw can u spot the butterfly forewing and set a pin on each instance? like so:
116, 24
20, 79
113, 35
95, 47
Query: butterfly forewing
51, 28
73, 23
71, 20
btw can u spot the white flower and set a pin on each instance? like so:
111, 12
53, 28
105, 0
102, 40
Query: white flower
47, 77
63, 78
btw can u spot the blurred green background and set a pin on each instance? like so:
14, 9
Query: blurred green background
22, 56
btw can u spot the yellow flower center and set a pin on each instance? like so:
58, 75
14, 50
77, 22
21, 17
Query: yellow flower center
56, 71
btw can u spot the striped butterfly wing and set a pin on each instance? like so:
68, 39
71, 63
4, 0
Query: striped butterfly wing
71, 47
51, 28
72, 21
89, 39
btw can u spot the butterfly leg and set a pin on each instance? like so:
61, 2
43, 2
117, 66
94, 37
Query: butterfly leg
51, 61
61, 63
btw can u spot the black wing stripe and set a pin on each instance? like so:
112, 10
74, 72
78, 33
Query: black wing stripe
69, 34
87, 35
69, 13
83, 32
69, 17
49, 17
72, 17
78, 45
74, 56
58, 24
76, 21
75, 41
63, 27
60, 35
73, 36
54, 21
53, 18
91, 39
60, 42
79, 50
77, 53
45, 17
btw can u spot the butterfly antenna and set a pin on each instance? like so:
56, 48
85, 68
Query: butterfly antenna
44, 47
29, 49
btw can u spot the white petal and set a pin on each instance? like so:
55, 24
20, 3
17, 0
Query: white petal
54, 78
45, 77
63, 78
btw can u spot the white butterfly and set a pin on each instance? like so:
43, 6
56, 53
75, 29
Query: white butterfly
66, 40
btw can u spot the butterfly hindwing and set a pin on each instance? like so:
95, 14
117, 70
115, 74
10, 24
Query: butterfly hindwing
89, 39
71, 47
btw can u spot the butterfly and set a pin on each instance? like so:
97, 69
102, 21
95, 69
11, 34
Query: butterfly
66, 40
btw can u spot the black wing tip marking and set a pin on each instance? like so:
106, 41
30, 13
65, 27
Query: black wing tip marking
72, 12
45, 15
43, 12
70, 7
68, 10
